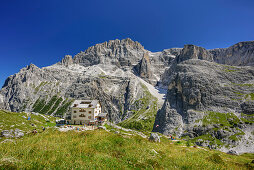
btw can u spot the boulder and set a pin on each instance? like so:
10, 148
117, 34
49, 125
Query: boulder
18, 133
102, 127
154, 137
7, 134
232, 152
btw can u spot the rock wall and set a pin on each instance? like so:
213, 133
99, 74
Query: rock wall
240, 54
206, 99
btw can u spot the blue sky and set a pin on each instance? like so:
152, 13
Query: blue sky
43, 31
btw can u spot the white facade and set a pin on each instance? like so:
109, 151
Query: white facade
84, 111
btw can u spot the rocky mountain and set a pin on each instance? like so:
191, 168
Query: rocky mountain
209, 99
208, 102
104, 72
240, 54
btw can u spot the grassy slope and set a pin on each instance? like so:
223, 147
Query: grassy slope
107, 150
225, 121
148, 114
11, 120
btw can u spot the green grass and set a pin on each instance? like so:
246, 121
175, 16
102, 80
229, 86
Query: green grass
209, 139
225, 121
147, 109
247, 119
244, 85
228, 70
55, 104
64, 107
39, 104
39, 86
222, 119
59, 100
249, 96
105, 150
48, 106
235, 137
12, 120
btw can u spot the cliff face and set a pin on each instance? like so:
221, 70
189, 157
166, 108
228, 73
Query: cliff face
143, 69
118, 52
207, 101
240, 54
51, 90
194, 52
104, 72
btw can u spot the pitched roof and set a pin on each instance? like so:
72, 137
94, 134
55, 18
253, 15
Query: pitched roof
85, 103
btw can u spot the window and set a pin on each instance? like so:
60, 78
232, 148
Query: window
89, 117
83, 102
90, 112
82, 115
82, 110
74, 116
75, 111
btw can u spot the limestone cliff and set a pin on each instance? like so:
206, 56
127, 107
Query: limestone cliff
240, 54
103, 72
210, 103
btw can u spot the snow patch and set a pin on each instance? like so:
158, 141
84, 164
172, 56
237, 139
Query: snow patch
157, 92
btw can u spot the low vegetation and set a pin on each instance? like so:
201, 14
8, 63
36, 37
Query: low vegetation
223, 121
38, 105
100, 149
64, 107
36, 89
105, 150
12, 120
54, 105
143, 118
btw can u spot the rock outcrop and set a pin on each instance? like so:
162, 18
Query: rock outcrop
240, 54
154, 137
1, 101
67, 60
194, 52
205, 98
143, 69
17, 133
117, 52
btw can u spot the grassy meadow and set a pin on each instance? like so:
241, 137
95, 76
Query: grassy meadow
13, 120
100, 149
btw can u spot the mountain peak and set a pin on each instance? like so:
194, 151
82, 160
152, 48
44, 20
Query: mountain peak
194, 52
31, 67
118, 52
113, 44
67, 60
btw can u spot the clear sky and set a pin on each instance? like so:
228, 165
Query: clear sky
43, 31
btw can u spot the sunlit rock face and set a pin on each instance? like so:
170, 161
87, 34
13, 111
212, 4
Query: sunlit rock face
206, 98
104, 71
